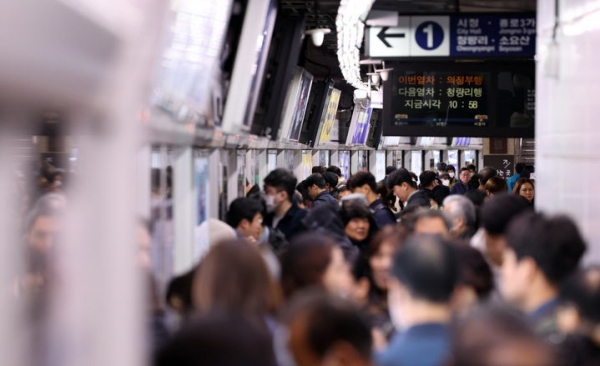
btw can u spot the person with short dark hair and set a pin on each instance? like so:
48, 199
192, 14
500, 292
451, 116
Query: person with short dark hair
476, 281
424, 275
579, 317
318, 169
476, 196
404, 187
436, 192
462, 186
451, 171
440, 168
245, 216
331, 183
317, 191
541, 252
337, 171
472, 169
428, 180
283, 212
327, 330
364, 182
514, 178
223, 338
358, 223
495, 217
343, 191
388, 170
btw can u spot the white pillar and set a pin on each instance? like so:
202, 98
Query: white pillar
316, 158
263, 165
143, 192
334, 158
215, 176
282, 159
13, 349
567, 133
184, 199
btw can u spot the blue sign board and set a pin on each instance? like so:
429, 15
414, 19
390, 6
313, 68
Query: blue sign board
463, 35
492, 35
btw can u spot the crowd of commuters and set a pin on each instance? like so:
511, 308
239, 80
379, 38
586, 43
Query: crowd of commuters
435, 269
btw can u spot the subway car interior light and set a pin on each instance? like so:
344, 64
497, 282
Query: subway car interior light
299, 182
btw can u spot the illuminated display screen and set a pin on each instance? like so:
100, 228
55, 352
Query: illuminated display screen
484, 99
441, 99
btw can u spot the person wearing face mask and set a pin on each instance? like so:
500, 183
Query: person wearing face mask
283, 212
472, 170
451, 171
424, 275
445, 180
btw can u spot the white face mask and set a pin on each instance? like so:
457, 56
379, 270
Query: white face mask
445, 182
451, 175
270, 202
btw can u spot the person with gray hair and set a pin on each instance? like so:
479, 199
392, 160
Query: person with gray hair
462, 213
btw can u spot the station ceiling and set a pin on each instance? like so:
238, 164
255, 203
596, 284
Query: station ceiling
322, 13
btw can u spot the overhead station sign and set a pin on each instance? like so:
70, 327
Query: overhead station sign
504, 35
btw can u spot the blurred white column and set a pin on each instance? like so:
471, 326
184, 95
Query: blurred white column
184, 205
567, 133
12, 341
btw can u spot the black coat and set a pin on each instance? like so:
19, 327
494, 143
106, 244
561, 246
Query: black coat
291, 223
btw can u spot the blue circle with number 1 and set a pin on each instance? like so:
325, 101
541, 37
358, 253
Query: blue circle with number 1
429, 35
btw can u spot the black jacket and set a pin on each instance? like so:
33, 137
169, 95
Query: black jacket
326, 220
420, 198
325, 198
291, 223
381, 213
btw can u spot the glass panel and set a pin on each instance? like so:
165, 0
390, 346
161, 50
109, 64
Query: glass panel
161, 217
344, 157
363, 160
289, 159
272, 160
453, 159
379, 165
201, 180
470, 156
324, 158
436, 157
416, 161
306, 163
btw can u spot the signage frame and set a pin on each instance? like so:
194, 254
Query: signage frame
493, 127
405, 48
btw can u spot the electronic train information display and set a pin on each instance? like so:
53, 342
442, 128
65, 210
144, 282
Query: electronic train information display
456, 99
442, 99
